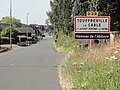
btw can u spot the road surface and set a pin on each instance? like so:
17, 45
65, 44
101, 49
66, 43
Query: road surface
30, 68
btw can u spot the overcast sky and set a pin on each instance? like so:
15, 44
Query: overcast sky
20, 8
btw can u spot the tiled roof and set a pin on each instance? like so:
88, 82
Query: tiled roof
25, 30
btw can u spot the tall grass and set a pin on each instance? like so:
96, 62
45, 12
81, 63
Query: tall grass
64, 43
97, 69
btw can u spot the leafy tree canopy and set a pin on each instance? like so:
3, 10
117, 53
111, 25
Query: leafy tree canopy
6, 32
62, 12
15, 22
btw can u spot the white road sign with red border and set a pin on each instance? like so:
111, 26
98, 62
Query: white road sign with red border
92, 27
91, 24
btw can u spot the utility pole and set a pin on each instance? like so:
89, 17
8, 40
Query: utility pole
0, 39
10, 24
27, 25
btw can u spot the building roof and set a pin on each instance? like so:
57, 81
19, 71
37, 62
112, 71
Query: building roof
36, 26
25, 30
41, 31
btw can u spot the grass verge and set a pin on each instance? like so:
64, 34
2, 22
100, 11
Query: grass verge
65, 44
92, 70
97, 69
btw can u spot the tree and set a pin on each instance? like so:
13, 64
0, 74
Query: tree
15, 22
6, 33
111, 8
53, 16
60, 13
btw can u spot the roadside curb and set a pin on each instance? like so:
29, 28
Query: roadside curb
4, 49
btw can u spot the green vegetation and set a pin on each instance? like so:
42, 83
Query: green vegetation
62, 12
65, 43
15, 22
97, 69
92, 70
6, 32
5, 35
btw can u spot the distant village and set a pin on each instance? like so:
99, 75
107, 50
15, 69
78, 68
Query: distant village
26, 35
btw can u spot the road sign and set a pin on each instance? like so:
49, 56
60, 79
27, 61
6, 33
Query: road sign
92, 13
92, 35
90, 25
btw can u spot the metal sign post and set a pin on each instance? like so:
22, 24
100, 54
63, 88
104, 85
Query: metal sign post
91, 14
102, 43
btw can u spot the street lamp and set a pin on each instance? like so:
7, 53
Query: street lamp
27, 29
27, 17
10, 24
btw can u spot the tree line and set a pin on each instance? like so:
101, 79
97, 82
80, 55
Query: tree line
62, 12
5, 33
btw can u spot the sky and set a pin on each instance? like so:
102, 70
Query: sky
36, 8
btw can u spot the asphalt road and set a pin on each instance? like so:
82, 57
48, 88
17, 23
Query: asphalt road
30, 68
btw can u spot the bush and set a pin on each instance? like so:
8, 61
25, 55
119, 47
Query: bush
6, 40
6, 32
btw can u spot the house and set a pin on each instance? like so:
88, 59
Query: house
39, 31
25, 36
43, 27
